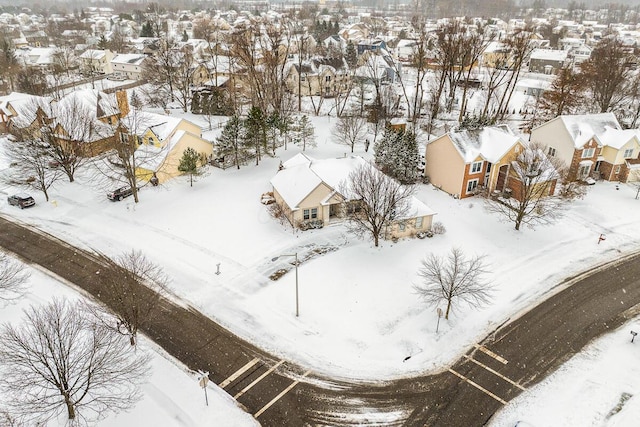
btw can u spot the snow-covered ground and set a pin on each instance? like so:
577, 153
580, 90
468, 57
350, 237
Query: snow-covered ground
171, 396
359, 315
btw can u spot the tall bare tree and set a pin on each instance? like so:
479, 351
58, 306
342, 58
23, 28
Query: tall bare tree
533, 177
13, 278
138, 286
454, 279
350, 130
606, 72
374, 200
59, 361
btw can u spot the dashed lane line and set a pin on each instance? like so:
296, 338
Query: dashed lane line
509, 380
490, 353
479, 387
239, 372
257, 380
279, 396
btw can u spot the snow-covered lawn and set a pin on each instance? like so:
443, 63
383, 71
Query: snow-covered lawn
359, 315
171, 396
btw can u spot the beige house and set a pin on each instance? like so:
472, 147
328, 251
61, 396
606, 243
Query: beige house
591, 144
308, 191
96, 61
129, 65
460, 163
320, 76
162, 144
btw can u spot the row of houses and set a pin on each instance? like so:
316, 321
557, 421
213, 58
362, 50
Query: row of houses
100, 121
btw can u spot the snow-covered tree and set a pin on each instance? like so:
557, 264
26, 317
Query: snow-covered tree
350, 130
396, 154
304, 132
189, 163
230, 142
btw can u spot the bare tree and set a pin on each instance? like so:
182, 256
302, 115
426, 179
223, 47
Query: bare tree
13, 278
138, 285
373, 201
532, 178
454, 278
31, 167
350, 130
606, 72
59, 361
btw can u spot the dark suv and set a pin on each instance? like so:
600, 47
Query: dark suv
21, 200
119, 193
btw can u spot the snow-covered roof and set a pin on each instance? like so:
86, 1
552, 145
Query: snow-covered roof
26, 107
93, 54
549, 55
128, 58
490, 143
583, 127
152, 157
96, 102
617, 138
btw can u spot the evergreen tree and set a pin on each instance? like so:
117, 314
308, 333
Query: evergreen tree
351, 55
146, 30
189, 163
196, 108
103, 43
306, 132
274, 126
256, 131
396, 154
136, 102
229, 143
185, 36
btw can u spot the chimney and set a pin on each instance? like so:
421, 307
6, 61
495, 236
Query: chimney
123, 102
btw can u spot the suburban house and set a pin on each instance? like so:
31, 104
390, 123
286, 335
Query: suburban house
460, 163
128, 64
319, 76
21, 111
96, 61
590, 144
309, 191
162, 141
547, 61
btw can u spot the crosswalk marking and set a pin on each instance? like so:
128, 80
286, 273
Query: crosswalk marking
509, 380
257, 380
239, 372
490, 353
282, 393
504, 402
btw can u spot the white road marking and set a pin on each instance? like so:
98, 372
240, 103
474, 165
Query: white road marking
239, 372
257, 380
282, 393
504, 402
490, 353
509, 380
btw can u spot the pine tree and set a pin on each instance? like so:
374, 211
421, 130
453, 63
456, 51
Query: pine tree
185, 36
351, 55
229, 143
196, 108
189, 163
302, 132
396, 154
256, 131
136, 102
146, 30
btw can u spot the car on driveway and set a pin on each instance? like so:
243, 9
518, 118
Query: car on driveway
119, 194
21, 200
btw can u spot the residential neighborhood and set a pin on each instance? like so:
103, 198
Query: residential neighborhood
321, 213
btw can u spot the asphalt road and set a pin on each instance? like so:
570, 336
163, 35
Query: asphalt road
280, 394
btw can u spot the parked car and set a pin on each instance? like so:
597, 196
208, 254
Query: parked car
119, 193
21, 200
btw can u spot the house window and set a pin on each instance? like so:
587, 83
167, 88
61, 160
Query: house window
583, 172
628, 153
401, 226
476, 167
419, 223
588, 152
551, 152
327, 79
617, 170
472, 184
314, 213
305, 214
303, 79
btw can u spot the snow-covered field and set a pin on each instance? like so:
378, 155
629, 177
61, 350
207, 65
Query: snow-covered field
359, 315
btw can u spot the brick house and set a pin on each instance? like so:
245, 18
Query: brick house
591, 145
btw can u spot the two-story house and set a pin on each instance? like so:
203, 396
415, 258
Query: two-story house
129, 65
319, 76
96, 61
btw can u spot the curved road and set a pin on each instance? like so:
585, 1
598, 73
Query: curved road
280, 394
